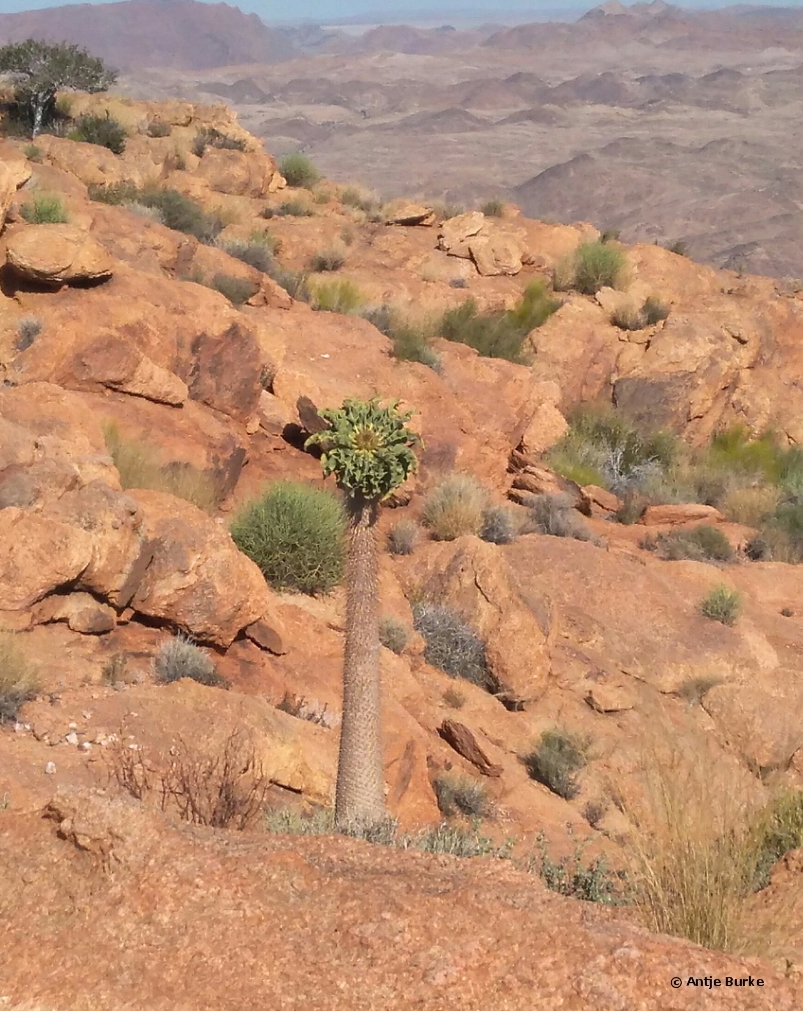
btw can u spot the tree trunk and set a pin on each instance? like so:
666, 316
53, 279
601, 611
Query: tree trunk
38, 114
360, 798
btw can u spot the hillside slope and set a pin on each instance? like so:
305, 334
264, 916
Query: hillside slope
154, 379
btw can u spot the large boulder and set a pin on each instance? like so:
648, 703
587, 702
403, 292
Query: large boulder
239, 173
57, 254
14, 171
197, 579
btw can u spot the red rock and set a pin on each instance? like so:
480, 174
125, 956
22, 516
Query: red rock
687, 512
57, 254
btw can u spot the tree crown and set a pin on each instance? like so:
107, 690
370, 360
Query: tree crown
38, 65
367, 447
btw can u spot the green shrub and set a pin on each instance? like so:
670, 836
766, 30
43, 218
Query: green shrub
292, 821
572, 876
702, 544
139, 466
28, 329
499, 334
294, 282
289, 209
236, 289
337, 296
780, 830
158, 129
455, 507
113, 193
781, 536
296, 535
298, 170
452, 645
604, 448
181, 213
19, 680
609, 235
446, 211
499, 525
105, 131
394, 634
403, 537
722, 605
327, 260
179, 657
32, 152
555, 761
208, 136
653, 310
555, 516
493, 208
410, 343
455, 841
256, 253
594, 265
45, 209
462, 795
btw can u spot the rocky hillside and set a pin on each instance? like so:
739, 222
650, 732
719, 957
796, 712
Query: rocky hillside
153, 383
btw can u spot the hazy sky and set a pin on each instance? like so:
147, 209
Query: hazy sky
326, 10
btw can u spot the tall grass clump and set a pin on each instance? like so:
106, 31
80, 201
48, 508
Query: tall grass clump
693, 855
594, 265
462, 795
555, 516
19, 678
327, 260
45, 209
555, 760
298, 170
296, 535
500, 333
411, 341
722, 605
702, 544
257, 252
455, 507
403, 537
139, 466
179, 657
452, 645
337, 296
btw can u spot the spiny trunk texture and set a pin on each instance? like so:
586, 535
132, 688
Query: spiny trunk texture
360, 796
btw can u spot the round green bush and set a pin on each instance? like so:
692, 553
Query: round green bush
296, 535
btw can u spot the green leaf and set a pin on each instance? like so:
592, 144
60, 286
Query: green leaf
367, 447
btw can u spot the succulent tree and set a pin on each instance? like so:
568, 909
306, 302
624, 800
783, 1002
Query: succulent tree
369, 449
39, 70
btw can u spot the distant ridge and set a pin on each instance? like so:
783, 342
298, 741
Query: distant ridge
135, 34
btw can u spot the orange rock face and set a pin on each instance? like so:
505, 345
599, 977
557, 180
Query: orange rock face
57, 254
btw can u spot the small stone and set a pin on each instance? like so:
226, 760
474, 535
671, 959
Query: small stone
50, 769
72, 726
84, 746
87, 715
71, 738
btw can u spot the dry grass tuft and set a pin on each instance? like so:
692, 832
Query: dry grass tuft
455, 507
19, 679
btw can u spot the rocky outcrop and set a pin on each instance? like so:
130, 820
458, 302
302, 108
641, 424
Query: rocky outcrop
57, 254
197, 578
494, 251
14, 172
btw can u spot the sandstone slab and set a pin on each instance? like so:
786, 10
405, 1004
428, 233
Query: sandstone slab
57, 254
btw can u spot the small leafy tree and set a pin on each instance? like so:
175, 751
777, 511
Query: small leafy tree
370, 451
40, 70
